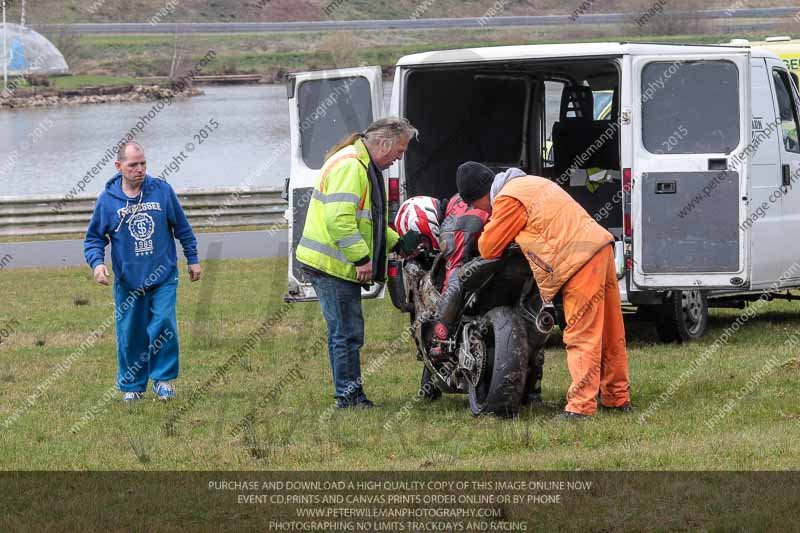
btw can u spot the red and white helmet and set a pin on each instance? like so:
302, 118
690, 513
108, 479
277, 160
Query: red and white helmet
420, 214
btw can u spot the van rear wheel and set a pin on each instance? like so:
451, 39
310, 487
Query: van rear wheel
683, 317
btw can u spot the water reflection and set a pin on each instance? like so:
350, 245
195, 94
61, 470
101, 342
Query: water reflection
253, 124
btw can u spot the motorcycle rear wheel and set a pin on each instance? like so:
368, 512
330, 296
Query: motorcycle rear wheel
502, 384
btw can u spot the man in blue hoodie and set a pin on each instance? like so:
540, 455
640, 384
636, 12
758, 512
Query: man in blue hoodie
141, 217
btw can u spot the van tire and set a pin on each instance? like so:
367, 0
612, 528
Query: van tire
502, 384
683, 317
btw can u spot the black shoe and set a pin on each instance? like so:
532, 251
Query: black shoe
431, 396
428, 390
358, 403
624, 408
569, 416
363, 403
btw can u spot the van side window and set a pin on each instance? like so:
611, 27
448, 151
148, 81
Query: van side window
787, 107
330, 110
690, 107
552, 107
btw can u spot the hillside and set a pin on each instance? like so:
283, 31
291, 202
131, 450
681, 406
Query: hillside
74, 11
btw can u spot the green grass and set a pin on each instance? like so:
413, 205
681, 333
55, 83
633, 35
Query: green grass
120, 59
59, 12
274, 54
74, 82
55, 310
78, 81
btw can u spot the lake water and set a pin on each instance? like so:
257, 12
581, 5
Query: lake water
47, 151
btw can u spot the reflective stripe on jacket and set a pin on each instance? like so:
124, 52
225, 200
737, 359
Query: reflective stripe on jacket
559, 236
339, 224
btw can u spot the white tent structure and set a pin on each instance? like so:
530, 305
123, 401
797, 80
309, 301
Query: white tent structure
25, 51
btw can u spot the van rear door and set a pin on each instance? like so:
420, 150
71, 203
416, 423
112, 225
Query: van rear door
692, 129
324, 107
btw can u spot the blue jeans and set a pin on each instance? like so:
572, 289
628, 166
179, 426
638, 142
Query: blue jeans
340, 302
147, 335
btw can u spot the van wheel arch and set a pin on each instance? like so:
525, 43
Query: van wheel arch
683, 316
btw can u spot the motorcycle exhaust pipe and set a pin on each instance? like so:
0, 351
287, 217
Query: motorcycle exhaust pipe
545, 320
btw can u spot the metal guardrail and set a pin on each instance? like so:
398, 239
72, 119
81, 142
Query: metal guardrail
219, 207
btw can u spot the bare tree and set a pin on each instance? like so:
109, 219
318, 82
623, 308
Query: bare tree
67, 42
666, 17
342, 47
177, 55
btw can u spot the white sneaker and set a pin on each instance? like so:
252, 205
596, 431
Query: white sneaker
164, 390
132, 396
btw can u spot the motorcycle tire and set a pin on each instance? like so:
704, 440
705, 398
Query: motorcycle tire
502, 383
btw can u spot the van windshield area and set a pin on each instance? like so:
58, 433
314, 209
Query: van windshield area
557, 119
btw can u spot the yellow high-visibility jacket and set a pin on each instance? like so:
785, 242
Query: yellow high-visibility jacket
339, 227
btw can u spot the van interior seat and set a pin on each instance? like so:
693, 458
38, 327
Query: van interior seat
577, 101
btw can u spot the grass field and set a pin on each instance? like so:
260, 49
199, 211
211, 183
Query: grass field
86, 80
53, 11
73, 82
272, 55
75, 420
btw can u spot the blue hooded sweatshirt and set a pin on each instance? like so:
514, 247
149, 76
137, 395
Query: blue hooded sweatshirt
142, 232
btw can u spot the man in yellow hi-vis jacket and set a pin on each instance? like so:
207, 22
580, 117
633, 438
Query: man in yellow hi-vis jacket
346, 240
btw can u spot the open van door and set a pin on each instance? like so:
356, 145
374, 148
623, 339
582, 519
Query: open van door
691, 184
324, 107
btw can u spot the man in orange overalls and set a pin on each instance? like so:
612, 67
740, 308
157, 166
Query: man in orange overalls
569, 252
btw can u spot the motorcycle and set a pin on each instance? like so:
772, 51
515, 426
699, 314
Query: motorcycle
483, 335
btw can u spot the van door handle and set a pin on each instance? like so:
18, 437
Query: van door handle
285, 191
718, 164
666, 187
786, 176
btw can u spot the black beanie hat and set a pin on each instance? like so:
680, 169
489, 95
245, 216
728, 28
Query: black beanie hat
473, 180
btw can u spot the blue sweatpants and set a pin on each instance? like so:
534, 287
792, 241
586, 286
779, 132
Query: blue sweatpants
147, 335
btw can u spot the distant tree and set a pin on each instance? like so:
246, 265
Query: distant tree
666, 17
177, 55
67, 42
342, 47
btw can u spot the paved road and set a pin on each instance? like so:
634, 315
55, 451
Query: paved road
408, 24
234, 245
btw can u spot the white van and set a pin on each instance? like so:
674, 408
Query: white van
698, 155
783, 46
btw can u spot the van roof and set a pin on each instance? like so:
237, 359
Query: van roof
776, 47
546, 51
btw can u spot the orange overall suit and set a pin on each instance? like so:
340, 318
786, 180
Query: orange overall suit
568, 251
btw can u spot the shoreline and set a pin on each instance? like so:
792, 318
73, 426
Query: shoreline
235, 63
95, 95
